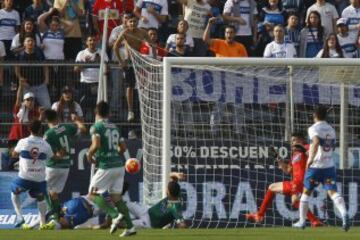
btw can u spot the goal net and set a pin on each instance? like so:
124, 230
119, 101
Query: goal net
224, 116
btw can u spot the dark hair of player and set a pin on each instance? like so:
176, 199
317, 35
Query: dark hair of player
35, 127
230, 27
298, 135
102, 109
174, 189
320, 113
50, 115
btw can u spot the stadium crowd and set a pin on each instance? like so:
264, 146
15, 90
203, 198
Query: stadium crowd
56, 30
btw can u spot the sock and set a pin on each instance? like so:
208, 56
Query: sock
105, 206
42, 211
339, 204
266, 202
121, 206
17, 204
55, 207
312, 218
304, 207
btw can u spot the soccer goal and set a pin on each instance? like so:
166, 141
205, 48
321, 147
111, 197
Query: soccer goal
216, 120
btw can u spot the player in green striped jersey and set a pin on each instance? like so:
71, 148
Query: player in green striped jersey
106, 151
59, 136
165, 212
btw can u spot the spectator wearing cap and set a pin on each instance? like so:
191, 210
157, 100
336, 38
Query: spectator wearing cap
70, 12
182, 28
9, 26
67, 109
36, 9
34, 78
24, 111
279, 48
227, 47
89, 76
346, 40
265, 36
151, 13
328, 14
242, 14
116, 9
27, 28
196, 13
352, 14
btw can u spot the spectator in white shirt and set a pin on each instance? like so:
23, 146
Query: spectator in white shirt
346, 40
9, 25
152, 13
279, 48
352, 13
331, 48
27, 27
182, 28
328, 14
2, 57
89, 76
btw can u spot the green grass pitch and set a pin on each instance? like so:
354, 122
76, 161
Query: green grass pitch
326, 233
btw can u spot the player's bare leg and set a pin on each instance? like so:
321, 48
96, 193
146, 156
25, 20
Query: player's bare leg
339, 203
130, 102
270, 193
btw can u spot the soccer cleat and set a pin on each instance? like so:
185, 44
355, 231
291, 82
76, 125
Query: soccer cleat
131, 116
254, 217
317, 223
299, 225
26, 227
19, 222
128, 232
115, 222
44, 227
51, 225
346, 224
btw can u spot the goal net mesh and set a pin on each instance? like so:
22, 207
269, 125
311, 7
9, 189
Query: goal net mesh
224, 119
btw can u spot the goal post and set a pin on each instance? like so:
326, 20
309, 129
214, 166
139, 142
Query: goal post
216, 119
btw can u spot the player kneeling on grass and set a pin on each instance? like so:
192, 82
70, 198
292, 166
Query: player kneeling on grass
289, 188
163, 213
107, 152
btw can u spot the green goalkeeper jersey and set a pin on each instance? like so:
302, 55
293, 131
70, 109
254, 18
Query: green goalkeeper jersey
165, 212
60, 137
107, 156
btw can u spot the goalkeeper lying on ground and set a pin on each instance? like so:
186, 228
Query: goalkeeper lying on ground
78, 211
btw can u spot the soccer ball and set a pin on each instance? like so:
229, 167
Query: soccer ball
132, 165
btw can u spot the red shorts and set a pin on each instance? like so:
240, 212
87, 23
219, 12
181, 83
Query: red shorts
291, 188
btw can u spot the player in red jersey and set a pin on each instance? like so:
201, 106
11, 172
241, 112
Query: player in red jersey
293, 188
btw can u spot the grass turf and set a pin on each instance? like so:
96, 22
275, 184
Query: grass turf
326, 233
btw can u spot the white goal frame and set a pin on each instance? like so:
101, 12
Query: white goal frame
169, 62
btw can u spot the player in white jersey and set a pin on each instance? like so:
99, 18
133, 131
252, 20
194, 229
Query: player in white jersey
352, 14
33, 152
321, 168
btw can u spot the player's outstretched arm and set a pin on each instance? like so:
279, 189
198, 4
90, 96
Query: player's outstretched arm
177, 176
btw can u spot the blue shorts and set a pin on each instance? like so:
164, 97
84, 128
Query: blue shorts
325, 176
77, 211
36, 189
